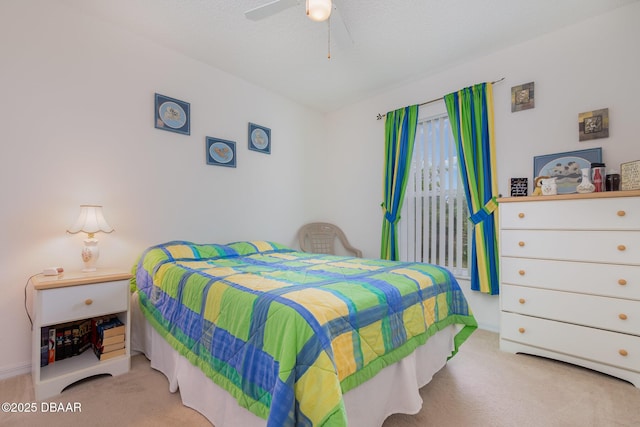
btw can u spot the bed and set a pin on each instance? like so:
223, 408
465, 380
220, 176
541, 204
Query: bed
256, 333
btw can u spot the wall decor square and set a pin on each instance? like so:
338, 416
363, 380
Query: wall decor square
522, 97
566, 167
221, 152
593, 124
172, 114
259, 138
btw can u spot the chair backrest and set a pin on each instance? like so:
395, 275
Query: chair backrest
320, 237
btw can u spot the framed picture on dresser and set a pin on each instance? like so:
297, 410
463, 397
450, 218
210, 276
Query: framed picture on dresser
566, 167
630, 172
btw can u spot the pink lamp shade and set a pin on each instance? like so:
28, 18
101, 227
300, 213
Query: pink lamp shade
91, 220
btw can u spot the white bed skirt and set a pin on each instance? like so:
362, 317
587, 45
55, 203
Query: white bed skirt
394, 390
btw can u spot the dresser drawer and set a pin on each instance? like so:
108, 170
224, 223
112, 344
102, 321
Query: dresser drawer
619, 213
615, 349
617, 247
83, 301
619, 281
588, 310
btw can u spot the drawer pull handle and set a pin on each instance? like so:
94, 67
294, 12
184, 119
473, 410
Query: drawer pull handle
622, 282
623, 352
622, 247
622, 316
521, 330
621, 213
521, 272
521, 301
521, 215
521, 244
88, 301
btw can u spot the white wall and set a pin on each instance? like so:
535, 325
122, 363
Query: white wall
77, 127
584, 67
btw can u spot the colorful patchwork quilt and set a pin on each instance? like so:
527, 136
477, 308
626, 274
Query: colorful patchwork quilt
287, 333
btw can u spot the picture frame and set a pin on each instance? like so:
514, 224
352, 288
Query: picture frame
259, 138
519, 187
221, 152
566, 167
630, 175
172, 114
593, 124
522, 97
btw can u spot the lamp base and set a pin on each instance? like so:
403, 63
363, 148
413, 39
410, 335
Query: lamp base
90, 254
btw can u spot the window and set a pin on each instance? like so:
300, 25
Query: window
434, 225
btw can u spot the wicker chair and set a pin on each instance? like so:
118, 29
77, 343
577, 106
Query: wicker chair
320, 237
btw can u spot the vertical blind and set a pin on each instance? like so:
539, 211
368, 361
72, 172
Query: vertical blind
434, 225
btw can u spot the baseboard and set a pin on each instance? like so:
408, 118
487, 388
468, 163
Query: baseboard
14, 371
488, 327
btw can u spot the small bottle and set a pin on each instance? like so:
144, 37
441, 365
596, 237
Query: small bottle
597, 180
612, 180
597, 176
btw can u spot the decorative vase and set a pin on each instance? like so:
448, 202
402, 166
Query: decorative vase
585, 185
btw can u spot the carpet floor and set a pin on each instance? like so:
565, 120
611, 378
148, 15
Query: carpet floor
480, 387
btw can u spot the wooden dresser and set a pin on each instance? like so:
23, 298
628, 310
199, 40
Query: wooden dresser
570, 279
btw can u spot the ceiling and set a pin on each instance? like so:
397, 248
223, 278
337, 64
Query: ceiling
392, 42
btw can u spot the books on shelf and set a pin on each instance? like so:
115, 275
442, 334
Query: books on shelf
52, 344
111, 354
60, 342
115, 339
84, 329
44, 346
108, 337
105, 335
112, 347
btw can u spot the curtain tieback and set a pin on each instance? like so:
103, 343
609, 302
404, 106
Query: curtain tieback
485, 212
392, 218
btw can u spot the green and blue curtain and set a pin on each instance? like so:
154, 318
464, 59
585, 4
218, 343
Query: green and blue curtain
400, 132
470, 112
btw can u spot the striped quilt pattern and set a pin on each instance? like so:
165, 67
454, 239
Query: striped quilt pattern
287, 333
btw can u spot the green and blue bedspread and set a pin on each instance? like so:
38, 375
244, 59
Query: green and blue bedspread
287, 333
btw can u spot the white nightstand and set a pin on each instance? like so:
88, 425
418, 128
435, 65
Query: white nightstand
70, 297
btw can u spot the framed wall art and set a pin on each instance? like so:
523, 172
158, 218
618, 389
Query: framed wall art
593, 124
259, 138
522, 97
172, 114
566, 167
220, 152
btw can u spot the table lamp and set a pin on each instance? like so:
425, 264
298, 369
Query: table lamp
90, 221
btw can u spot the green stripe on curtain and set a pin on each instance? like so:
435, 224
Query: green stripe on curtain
471, 115
400, 133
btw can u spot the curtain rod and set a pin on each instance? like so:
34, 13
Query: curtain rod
380, 116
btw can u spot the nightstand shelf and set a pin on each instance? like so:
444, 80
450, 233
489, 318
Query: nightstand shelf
74, 297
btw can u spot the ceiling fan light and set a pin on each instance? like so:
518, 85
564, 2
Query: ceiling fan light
319, 10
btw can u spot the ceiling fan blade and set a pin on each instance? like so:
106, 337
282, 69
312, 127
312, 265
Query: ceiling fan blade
269, 9
339, 28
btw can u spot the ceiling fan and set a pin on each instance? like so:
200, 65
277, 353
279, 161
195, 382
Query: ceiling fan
317, 10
